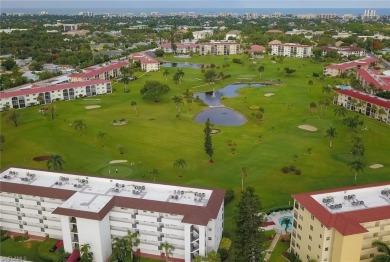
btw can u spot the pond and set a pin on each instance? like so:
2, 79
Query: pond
181, 65
217, 112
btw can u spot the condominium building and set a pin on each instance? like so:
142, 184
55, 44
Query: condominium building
202, 34
341, 224
372, 79
148, 63
82, 209
369, 14
35, 95
105, 71
181, 48
291, 50
366, 104
338, 69
219, 48
344, 51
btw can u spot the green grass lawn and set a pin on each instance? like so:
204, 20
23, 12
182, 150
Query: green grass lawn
280, 248
27, 250
156, 137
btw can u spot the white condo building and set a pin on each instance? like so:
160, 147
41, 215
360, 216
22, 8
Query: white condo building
291, 50
81, 209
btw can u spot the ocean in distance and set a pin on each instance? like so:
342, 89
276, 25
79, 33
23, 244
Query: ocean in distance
136, 11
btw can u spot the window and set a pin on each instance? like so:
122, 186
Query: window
298, 246
299, 226
299, 236
312, 217
326, 249
303, 209
311, 227
309, 247
310, 237
301, 217
320, 235
308, 257
319, 246
328, 238
210, 238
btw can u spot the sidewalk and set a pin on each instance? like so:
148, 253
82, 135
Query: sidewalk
271, 247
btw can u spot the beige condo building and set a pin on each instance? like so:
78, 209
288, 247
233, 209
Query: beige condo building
339, 225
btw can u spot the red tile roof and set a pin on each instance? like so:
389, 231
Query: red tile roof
257, 48
365, 97
36, 89
347, 223
92, 73
352, 64
144, 58
371, 78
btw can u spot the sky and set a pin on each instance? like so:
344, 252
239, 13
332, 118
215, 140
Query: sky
158, 4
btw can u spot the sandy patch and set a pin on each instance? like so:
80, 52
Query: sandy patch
92, 107
375, 166
92, 99
308, 128
117, 161
269, 94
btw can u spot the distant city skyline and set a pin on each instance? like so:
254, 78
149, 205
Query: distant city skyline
188, 4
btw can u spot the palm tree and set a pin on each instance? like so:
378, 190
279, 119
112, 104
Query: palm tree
261, 70
331, 133
384, 251
357, 147
166, 74
79, 124
180, 74
374, 110
357, 165
85, 254
179, 164
213, 256
340, 111
132, 241
189, 102
177, 100
153, 174
310, 83
381, 113
168, 249
286, 221
55, 162
134, 105
244, 173
327, 89
101, 137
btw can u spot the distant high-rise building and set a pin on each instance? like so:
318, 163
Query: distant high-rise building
327, 16
369, 14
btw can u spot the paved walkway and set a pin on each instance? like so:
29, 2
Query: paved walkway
271, 247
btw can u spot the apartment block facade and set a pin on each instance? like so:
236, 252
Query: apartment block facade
291, 50
219, 48
82, 209
341, 224
36, 95
105, 72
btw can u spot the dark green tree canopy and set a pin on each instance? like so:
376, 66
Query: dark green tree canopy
154, 90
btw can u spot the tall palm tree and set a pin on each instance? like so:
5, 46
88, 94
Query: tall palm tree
261, 70
85, 254
327, 89
134, 106
177, 100
166, 73
331, 133
168, 249
180, 73
55, 162
179, 164
310, 83
357, 165
244, 173
132, 241
101, 137
384, 250
189, 101
153, 174
340, 111
374, 110
357, 147
80, 125
286, 221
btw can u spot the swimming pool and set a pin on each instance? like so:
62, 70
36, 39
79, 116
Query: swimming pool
280, 220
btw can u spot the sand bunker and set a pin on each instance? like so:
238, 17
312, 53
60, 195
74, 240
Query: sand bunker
117, 161
92, 107
308, 128
375, 166
269, 94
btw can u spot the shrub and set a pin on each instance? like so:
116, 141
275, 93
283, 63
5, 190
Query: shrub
286, 169
298, 172
20, 238
293, 168
254, 107
237, 61
223, 254
316, 74
226, 76
226, 243
229, 196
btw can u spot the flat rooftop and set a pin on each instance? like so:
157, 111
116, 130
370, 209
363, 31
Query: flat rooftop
92, 194
355, 199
